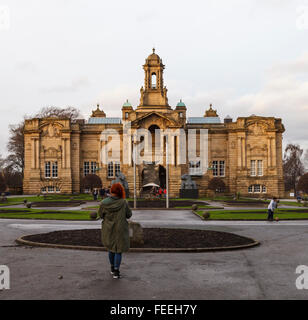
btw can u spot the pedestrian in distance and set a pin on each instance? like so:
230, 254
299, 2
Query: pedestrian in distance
160, 192
95, 194
115, 211
271, 208
102, 193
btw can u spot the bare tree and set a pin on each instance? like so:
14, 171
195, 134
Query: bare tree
293, 167
3, 185
54, 112
13, 179
15, 147
303, 183
305, 160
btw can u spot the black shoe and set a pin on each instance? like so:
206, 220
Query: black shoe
112, 270
116, 274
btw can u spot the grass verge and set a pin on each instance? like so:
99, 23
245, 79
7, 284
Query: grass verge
282, 214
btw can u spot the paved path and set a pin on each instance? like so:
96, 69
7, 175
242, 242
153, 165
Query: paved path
264, 272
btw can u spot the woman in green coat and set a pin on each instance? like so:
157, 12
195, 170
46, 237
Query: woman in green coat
114, 211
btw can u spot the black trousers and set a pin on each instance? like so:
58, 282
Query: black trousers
270, 215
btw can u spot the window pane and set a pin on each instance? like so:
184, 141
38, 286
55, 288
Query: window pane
47, 169
221, 168
253, 167
86, 168
250, 189
51, 189
215, 168
264, 189
260, 168
117, 168
110, 170
93, 167
55, 169
257, 188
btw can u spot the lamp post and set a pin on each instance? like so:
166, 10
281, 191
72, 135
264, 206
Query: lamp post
167, 171
134, 159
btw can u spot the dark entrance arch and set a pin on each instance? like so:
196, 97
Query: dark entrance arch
155, 148
162, 176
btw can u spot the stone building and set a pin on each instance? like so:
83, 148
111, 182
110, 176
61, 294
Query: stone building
245, 153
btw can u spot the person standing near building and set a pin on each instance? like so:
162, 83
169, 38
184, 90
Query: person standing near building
271, 207
115, 211
95, 193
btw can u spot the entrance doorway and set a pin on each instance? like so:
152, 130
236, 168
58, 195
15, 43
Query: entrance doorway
162, 176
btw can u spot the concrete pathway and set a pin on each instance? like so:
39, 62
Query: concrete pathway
264, 272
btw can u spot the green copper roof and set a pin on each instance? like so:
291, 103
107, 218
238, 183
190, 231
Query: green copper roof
127, 104
181, 104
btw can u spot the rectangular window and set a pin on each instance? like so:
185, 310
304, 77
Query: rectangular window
55, 169
215, 168
222, 168
93, 167
250, 189
47, 169
195, 168
253, 168
86, 168
117, 168
110, 170
264, 189
260, 168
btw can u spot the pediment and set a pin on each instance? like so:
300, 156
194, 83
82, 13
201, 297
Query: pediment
154, 118
51, 129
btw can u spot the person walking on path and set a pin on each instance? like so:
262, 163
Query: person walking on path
271, 207
95, 193
115, 211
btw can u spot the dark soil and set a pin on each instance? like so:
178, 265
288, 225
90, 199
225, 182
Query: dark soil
153, 238
72, 203
11, 211
239, 203
162, 203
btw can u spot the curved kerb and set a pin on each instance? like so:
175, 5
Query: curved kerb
22, 241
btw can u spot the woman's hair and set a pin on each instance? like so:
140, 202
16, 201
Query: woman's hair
118, 190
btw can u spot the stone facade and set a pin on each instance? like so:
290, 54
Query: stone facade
246, 153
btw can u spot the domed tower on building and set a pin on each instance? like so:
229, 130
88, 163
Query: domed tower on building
153, 94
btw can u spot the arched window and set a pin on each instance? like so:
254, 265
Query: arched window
153, 81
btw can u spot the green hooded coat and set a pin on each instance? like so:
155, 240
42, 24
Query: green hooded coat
115, 234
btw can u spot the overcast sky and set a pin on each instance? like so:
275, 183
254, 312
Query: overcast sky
244, 56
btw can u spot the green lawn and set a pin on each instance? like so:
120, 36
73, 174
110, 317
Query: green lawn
199, 206
257, 214
44, 214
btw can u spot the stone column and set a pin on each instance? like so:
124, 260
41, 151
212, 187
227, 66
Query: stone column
63, 153
243, 152
273, 148
269, 164
37, 162
239, 152
33, 154
68, 152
